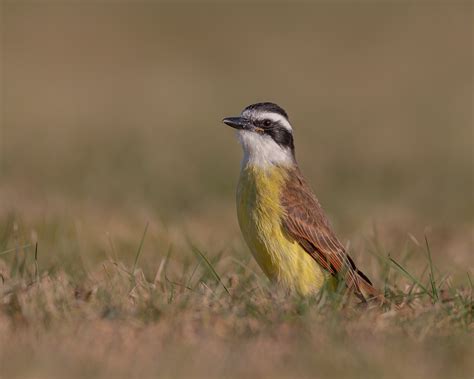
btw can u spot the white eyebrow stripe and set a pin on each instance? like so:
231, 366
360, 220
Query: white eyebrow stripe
275, 117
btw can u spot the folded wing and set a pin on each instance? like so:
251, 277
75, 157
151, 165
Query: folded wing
306, 223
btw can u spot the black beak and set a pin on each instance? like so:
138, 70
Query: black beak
240, 123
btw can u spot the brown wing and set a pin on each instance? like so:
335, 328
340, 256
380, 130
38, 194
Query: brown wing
306, 223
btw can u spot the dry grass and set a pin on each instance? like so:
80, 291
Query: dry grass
173, 310
187, 322
111, 124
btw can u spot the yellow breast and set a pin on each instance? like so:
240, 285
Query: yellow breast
260, 213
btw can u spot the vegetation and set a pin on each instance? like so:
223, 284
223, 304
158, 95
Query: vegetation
188, 313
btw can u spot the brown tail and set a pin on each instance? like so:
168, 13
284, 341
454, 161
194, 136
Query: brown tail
365, 289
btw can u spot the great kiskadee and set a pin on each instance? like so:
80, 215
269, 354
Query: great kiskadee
280, 218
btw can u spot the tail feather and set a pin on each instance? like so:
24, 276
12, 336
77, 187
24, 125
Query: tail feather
365, 289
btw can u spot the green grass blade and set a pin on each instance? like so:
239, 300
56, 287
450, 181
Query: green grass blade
410, 276
167, 259
188, 282
434, 289
139, 251
209, 265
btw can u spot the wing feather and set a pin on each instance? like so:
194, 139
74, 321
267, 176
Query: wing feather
306, 222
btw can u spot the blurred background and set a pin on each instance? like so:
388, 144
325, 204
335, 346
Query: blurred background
111, 118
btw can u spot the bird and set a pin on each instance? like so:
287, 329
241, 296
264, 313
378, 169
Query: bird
281, 220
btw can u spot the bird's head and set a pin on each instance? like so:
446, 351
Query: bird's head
265, 134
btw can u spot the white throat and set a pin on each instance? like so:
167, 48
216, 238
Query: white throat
262, 151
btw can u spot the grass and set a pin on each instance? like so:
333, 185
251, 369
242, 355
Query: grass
218, 317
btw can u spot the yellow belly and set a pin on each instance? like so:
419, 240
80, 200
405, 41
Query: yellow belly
259, 212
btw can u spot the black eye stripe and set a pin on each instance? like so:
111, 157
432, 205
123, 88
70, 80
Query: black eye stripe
281, 136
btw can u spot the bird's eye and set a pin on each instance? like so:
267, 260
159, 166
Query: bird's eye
267, 122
